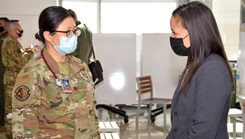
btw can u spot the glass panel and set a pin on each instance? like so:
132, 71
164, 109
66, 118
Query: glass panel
86, 12
136, 17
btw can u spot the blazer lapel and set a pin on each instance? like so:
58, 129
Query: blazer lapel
176, 95
178, 90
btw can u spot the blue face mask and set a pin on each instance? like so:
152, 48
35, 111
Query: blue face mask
67, 45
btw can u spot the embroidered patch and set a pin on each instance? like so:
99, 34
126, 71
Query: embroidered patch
22, 93
23, 79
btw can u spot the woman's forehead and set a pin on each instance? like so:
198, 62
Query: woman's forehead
176, 22
67, 23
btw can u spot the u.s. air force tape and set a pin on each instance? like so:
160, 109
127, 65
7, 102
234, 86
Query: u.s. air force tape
22, 93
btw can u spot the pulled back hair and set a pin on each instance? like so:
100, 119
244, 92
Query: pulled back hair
49, 19
205, 38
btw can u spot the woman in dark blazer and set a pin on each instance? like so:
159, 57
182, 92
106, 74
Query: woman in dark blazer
202, 98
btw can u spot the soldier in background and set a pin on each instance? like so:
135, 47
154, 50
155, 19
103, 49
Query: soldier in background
14, 57
84, 41
3, 35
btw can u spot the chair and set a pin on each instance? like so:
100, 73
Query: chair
145, 88
242, 104
235, 115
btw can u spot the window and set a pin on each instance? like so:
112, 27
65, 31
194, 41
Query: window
136, 17
128, 16
86, 12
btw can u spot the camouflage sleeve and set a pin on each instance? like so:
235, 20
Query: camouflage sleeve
28, 54
13, 55
25, 104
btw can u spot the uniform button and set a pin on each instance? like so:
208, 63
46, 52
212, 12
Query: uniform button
176, 113
175, 130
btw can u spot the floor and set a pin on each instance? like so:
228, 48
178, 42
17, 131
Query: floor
128, 129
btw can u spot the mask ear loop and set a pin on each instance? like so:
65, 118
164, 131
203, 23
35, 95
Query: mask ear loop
185, 36
57, 81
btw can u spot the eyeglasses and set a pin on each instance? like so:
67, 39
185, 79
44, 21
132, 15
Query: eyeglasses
70, 33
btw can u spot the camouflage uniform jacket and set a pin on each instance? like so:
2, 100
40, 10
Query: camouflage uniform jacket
2, 70
41, 109
14, 58
2, 37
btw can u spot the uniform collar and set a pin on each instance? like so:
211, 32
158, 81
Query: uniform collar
76, 67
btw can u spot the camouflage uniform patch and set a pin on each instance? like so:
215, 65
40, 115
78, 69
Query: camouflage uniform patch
22, 93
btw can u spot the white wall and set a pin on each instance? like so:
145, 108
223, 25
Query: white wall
159, 61
241, 65
227, 14
117, 54
27, 12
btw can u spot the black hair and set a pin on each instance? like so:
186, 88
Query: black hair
5, 19
205, 38
13, 20
49, 19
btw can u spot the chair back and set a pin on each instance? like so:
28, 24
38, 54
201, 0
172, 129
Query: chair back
144, 85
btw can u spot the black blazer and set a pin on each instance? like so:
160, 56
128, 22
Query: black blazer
202, 112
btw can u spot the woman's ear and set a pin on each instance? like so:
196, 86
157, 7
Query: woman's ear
47, 36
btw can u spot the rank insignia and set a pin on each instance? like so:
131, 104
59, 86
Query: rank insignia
66, 87
22, 93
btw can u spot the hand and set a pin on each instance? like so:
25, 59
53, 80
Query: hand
37, 48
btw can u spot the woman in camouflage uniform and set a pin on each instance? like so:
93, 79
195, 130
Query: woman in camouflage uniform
54, 94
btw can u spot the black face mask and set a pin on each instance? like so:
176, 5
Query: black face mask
1, 29
178, 47
21, 32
